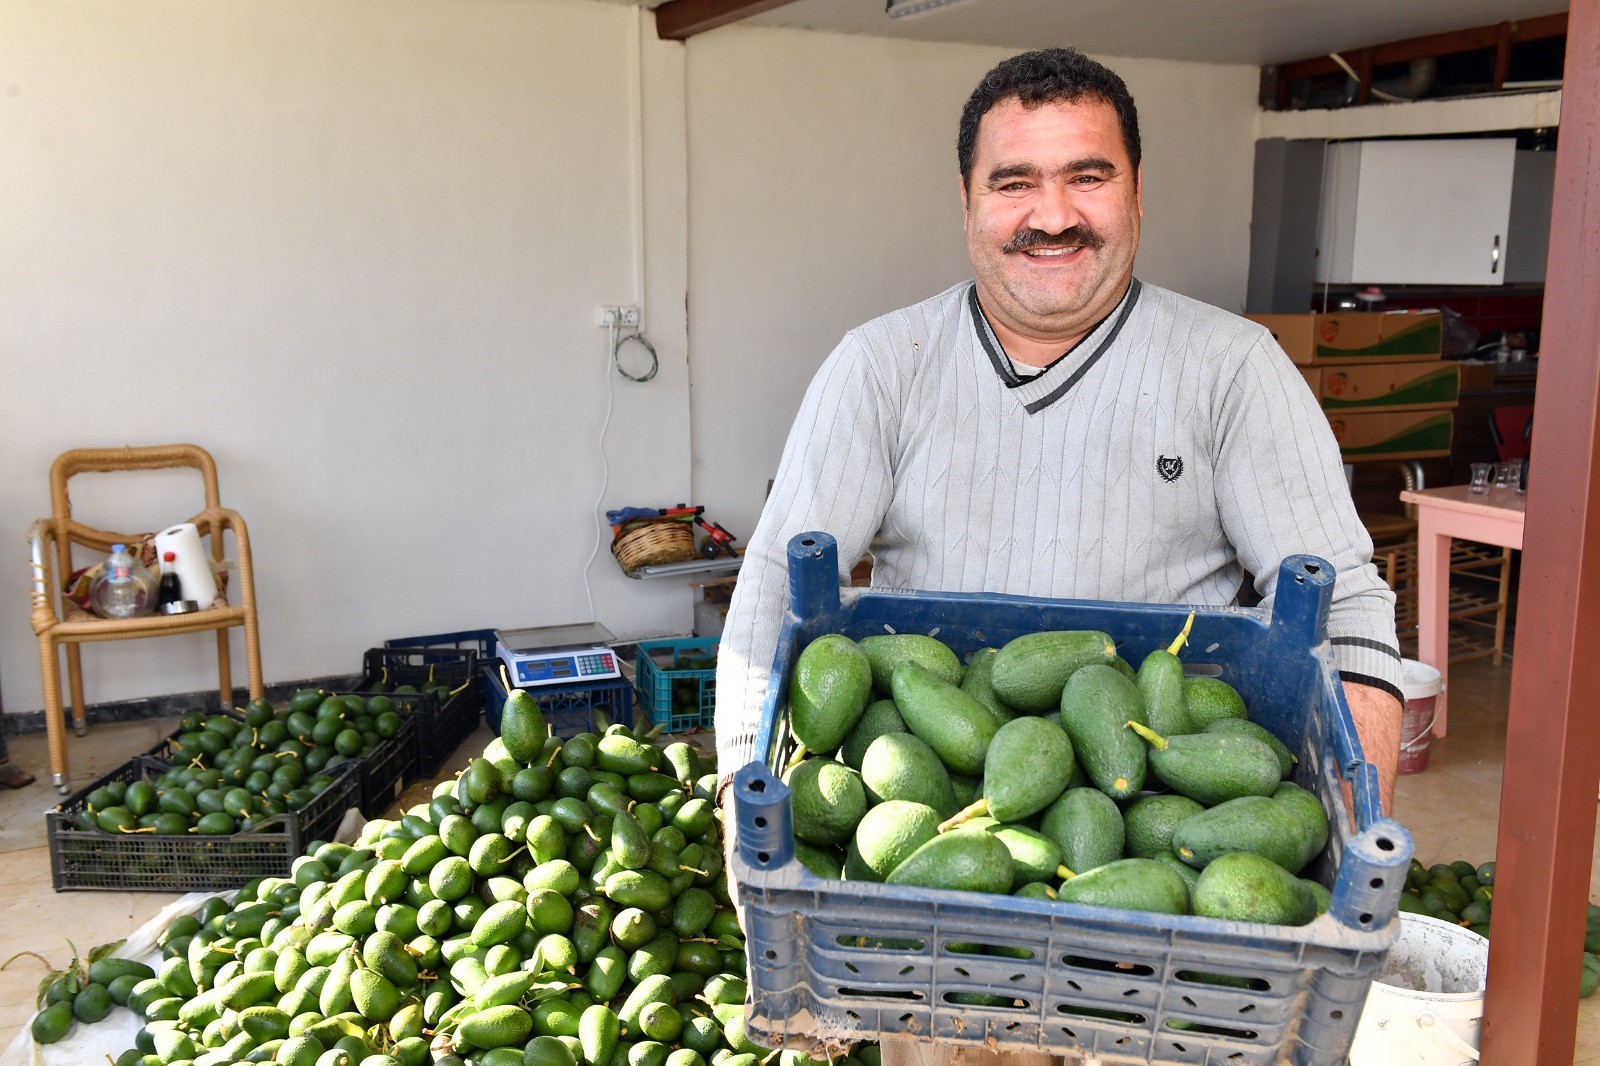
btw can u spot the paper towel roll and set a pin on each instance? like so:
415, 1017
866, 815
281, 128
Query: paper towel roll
192, 565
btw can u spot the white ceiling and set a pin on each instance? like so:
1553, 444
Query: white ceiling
1257, 32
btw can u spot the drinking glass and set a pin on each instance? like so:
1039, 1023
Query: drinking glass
1480, 477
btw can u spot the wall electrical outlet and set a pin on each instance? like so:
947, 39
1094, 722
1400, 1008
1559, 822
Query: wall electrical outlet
608, 315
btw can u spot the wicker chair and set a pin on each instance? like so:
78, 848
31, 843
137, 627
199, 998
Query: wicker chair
59, 621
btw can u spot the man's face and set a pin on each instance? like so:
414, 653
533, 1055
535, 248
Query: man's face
1052, 217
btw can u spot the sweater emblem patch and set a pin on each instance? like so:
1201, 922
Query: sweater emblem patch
1169, 469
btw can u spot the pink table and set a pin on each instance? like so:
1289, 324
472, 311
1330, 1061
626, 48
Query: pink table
1492, 518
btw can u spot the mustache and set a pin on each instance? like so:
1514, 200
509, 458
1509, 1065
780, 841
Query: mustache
1079, 236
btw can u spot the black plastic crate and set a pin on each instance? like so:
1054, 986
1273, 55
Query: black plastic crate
385, 769
442, 724
94, 860
568, 709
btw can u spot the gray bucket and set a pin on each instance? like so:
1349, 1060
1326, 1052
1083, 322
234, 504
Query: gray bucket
1426, 1006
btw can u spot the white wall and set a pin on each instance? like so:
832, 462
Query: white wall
354, 249
823, 192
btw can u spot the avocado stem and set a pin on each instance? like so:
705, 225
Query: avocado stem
796, 759
1172, 649
1156, 740
979, 806
1065, 875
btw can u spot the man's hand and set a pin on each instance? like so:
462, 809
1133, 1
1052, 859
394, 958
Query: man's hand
1377, 717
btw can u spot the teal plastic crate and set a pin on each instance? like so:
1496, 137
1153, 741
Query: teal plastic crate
677, 694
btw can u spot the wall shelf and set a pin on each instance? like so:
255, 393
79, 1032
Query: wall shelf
693, 568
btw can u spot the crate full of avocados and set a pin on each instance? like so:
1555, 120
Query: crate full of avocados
449, 696
1034, 873
226, 809
324, 730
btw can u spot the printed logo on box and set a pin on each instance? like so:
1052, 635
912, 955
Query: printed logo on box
1338, 430
1330, 330
1335, 384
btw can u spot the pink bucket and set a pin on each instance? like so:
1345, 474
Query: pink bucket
1421, 684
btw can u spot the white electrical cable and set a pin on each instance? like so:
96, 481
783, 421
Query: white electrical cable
1379, 93
605, 463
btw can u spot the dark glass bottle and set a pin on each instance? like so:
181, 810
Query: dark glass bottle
170, 590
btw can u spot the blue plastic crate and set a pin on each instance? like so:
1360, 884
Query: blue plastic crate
568, 709
659, 684
833, 961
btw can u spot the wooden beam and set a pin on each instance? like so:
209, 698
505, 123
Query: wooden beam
1502, 56
1435, 44
1547, 798
1363, 67
1537, 29
678, 20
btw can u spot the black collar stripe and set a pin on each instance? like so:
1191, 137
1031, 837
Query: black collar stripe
1007, 372
997, 358
1116, 328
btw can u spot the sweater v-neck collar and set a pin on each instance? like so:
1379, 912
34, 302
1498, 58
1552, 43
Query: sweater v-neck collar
1055, 380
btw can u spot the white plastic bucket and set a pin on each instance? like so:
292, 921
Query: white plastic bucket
1421, 685
1426, 1007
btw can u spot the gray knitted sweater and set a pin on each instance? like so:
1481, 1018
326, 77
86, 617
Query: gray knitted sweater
1170, 450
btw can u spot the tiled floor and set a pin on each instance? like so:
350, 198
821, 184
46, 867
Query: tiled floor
1451, 809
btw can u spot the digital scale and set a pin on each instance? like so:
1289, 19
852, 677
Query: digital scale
557, 655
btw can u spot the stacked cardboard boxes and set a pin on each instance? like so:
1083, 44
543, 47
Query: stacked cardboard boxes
1379, 378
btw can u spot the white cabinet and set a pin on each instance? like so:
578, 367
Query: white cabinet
1426, 212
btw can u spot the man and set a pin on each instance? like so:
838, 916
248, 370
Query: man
1058, 428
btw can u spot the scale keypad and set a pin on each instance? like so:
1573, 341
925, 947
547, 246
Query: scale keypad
595, 664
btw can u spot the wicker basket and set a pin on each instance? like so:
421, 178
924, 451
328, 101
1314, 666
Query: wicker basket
662, 540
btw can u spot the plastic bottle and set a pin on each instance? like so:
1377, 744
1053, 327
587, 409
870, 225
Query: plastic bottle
124, 588
170, 588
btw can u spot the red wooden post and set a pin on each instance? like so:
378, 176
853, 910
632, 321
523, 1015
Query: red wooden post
1552, 762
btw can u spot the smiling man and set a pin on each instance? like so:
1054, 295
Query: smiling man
1055, 427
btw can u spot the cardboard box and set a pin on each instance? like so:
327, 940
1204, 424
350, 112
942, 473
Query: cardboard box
1477, 377
1392, 434
1388, 386
1356, 337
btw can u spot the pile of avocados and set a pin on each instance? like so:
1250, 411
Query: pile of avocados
1051, 768
229, 774
555, 904
1463, 894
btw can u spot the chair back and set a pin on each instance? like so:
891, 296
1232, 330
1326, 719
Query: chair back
1511, 429
68, 531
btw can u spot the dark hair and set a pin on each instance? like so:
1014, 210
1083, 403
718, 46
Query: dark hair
1048, 76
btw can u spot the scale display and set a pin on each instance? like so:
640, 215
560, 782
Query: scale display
557, 655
